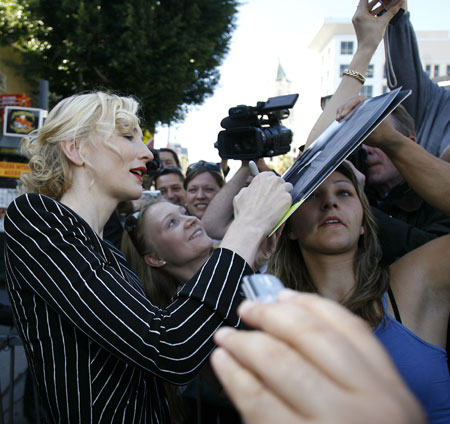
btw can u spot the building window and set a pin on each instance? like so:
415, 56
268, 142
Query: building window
346, 47
436, 70
369, 72
385, 89
342, 69
367, 91
428, 70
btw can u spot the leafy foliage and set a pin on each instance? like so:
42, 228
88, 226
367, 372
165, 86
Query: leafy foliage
164, 52
282, 163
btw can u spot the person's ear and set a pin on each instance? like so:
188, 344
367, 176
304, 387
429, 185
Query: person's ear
154, 261
362, 231
71, 149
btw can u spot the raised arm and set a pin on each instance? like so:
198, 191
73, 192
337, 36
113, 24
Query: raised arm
78, 281
428, 104
428, 175
248, 224
369, 30
403, 64
219, 214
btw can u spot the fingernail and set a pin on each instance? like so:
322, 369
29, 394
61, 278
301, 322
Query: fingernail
219, 356
287, 294
223, 332
245, 306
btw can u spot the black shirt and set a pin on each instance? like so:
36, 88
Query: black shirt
95, 345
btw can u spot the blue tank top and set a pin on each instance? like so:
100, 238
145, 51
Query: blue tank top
422, 365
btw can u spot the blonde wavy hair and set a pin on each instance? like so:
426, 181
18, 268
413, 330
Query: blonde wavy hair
76, 118
372, 277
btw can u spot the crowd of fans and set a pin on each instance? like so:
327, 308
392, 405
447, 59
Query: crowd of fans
121, 297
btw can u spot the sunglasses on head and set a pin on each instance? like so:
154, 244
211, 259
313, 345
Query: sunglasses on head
169, 170
210, 166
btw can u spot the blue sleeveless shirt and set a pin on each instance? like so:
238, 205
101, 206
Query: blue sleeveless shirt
422, 365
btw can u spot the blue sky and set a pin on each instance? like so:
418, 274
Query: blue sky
269, 32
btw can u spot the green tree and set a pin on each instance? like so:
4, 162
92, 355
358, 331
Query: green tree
164, 52
281, 163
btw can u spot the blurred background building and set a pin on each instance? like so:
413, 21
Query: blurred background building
335, 42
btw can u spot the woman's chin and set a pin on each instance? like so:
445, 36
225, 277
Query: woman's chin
204, 245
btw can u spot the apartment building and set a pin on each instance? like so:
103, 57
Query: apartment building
335, 42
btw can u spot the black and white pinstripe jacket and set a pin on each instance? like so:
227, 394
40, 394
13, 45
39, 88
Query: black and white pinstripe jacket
96, 346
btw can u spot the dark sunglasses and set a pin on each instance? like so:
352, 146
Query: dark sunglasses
210, 166
154, 166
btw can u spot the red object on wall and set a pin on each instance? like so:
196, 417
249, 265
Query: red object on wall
12, 100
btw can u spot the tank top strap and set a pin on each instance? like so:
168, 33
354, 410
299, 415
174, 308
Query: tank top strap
394, 305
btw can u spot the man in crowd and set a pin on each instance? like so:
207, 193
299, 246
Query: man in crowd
405, 220
170, 182
168, 157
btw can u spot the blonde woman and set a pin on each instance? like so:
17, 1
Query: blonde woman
96, 346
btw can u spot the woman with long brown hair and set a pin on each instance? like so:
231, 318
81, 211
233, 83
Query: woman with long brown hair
371, 277
329, 246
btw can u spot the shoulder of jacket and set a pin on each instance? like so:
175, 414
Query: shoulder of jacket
36, 202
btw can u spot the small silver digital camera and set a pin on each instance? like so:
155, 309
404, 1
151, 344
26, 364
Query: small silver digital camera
261, 287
